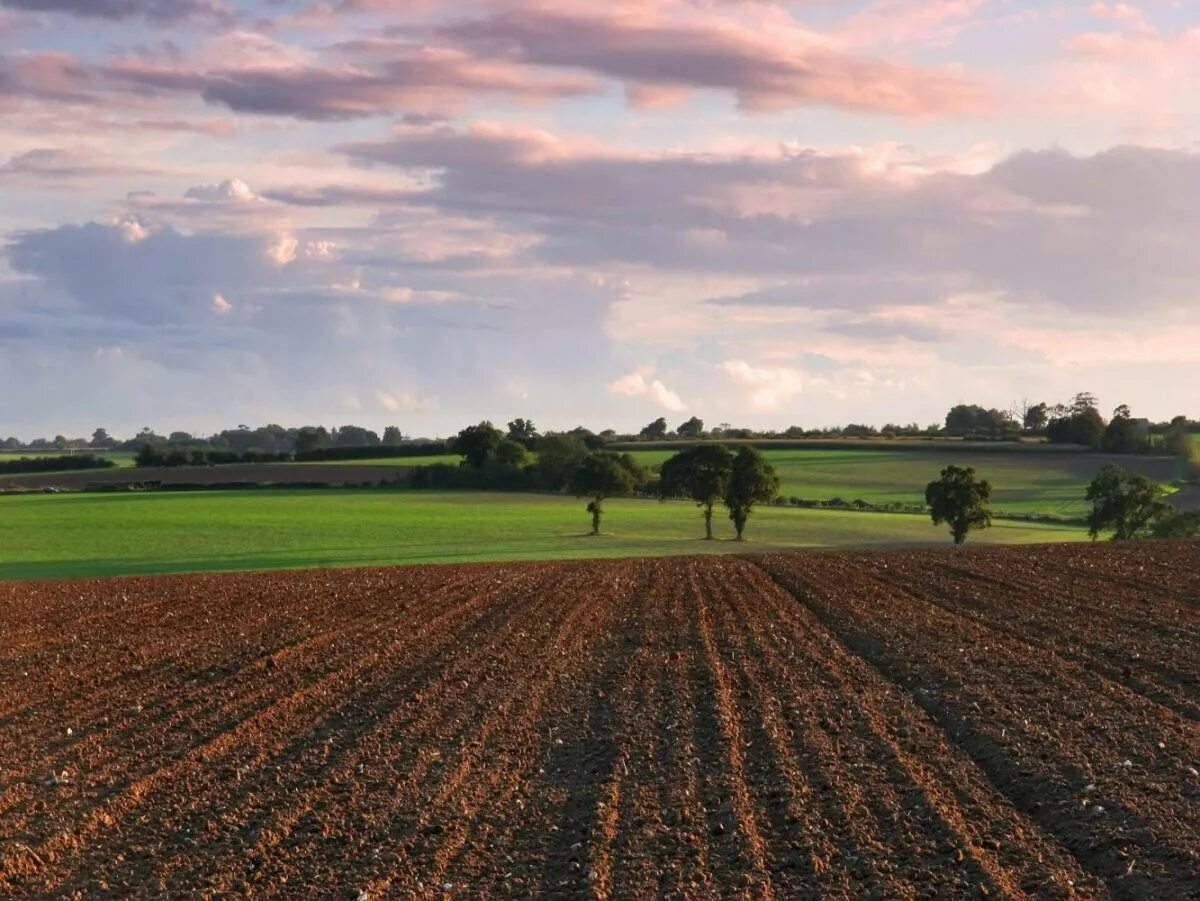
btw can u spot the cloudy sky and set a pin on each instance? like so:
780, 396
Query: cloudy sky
427, 212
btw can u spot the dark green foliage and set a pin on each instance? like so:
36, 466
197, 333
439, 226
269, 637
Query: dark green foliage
1181, 525
477, 443
604, 474
960, 499
150, 456
752, 481
1124, 435
334, 454
701, 473
655, 430
971, 419
55, 464
510, 454
1078, 423
559, 455
524, 432
1036, 418
392, 436
693, 428
1128, 505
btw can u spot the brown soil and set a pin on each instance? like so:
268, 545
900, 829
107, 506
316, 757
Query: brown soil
1012, 723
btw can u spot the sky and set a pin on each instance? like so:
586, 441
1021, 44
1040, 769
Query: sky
431, 212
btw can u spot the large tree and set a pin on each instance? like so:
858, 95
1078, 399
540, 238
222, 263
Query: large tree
1123, 434
477, 444
1126, 504
700, 473
523, 431
959, 498
655, 430
1079, 422
604, 474
693, 428
752, 480
558, 456
1036, 417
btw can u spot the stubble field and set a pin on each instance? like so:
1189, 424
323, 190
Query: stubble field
1012, 723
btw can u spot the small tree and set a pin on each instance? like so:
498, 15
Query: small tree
1125, 504
1180, 525
960, 499
604, 474
477, 443
752, 481
700, 473
392, 436
1036, 417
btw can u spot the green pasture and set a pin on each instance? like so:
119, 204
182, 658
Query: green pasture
91, 535
1022, 483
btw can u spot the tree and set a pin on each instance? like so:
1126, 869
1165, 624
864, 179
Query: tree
752, 481
693, 428
1178, 440
960, 499
351, 436
559, 455
1077, 423
477, 443
1036, 417
311, 438
1123, 435
392, 436
701, 473
656, 430
523, 431
510, 454
101, 438
604, 474
1180, 525
1125, 504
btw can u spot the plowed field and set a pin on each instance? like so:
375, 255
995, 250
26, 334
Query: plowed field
1012, 723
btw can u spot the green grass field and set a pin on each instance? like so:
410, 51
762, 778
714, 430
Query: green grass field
90, 535
1023, 483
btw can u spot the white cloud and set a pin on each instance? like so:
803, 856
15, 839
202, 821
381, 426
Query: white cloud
768, 388
233, 190
221, 306
640, 384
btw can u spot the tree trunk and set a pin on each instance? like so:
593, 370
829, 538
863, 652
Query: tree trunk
708, 523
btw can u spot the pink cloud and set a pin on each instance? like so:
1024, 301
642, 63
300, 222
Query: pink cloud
781, 67
640, 383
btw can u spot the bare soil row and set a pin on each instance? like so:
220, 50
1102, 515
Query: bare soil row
1013, 723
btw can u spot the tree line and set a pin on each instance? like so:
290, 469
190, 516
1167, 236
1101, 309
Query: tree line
1077, 422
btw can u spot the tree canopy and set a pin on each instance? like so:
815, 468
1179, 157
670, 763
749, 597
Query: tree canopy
604, 474
752, 480
477, 443
701, 473
959, 498
1125, 504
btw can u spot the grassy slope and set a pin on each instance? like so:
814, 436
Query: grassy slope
84, 535
1029, 481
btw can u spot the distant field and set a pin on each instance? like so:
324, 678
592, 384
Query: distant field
401, 462
85, 535
123, 459
1023, 483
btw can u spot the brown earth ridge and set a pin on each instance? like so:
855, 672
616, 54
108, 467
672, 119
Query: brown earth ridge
1020, 723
